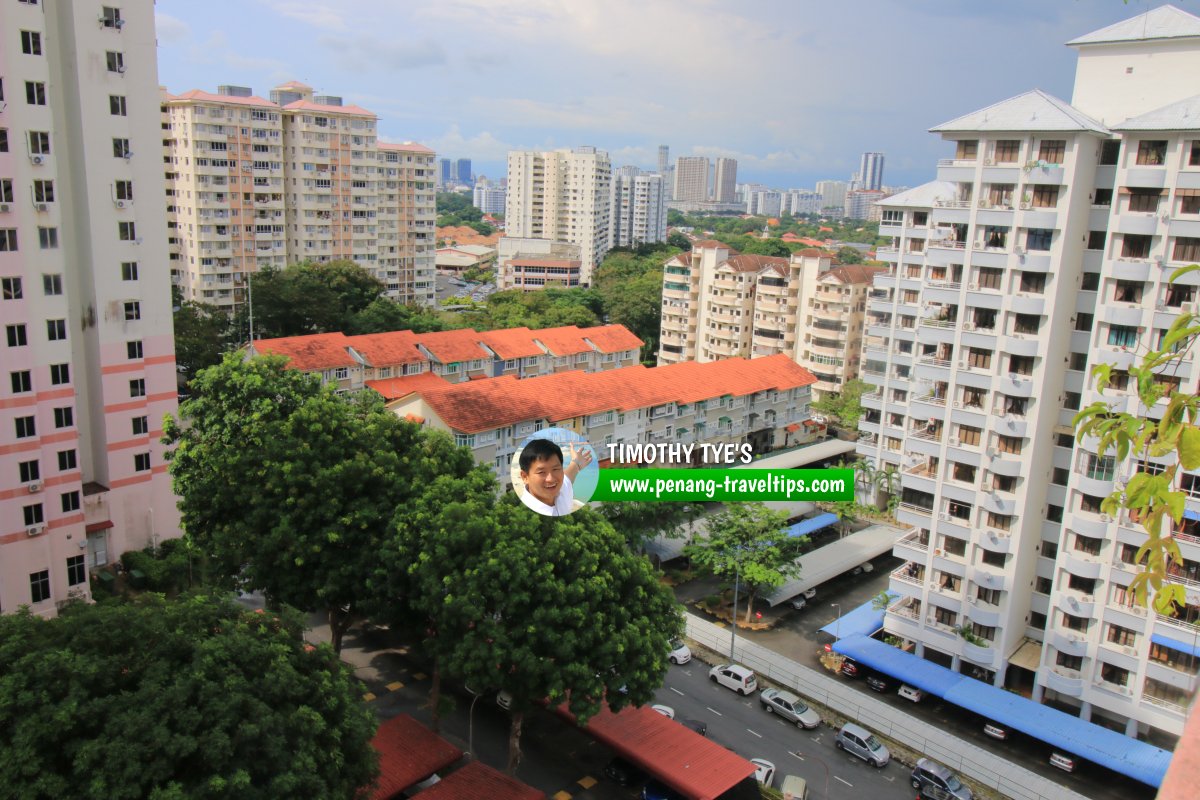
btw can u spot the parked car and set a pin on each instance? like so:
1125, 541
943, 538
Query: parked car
623, 773
877, 683
656, 791
995, 731
1063, 761
666, 711
790, 707
801, 600
866, 566
850, 668
764, 771
861, 742
929, 773
911, 693
504, 699
794, 788
695, 725
731, 676
680, 652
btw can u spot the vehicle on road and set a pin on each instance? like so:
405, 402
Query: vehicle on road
622, 773
790, 707
656, 791
666, 711
731, 676
696, 726
861, 742
764, 771
928, 773
911, 693
794, 788
680, 652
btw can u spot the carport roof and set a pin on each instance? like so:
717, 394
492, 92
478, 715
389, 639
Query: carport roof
408, 752
477, 780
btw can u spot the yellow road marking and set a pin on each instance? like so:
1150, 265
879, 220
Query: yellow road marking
394, 685
587, 781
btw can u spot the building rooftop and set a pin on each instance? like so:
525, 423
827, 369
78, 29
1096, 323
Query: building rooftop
309, 105
199, 95
1032, 111
753, 263
1181, 116
406, 147
317, 351
854, 273
611, 338
512, 343
706, 243
452, 347
394, 347
1164, 22
924, 196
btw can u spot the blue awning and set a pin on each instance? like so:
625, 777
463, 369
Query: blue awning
1120, 753
807, 526
1192, 515
1190, 648
863, 621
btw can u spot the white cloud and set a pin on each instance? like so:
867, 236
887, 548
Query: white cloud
480, 147
170, 29
363, 53
318, 15
218, 50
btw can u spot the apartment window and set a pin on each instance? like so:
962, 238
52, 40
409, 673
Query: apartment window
116, 105
989, 596
954, 546
1042, 585
958, 510
1008, 151
33, 514
115, 61
1186, 249
1135, 246
1128, 291
29, 471
1034, 282
1103, 197
127, 231
969, 435
1089, 282
121, 148
141, 462
70, 501
22, 381
1004, 483
31, 43
1194, 155
6, 190
1038, 239
56, 330
1070, 662
39, 143
1026, 323
48, 238
1037, 620
52, 284
1110, 152
963, 472
141, 426
137, 387
984, 631
1123, 637
967, 150
1059, 476
1096, 240
1001, 522
1054, 513
133, 310
1152, 153
1089, 503
990, 277
1009, 444
76, 571
1083, 322
43, 191
1144, 200
1045, 196
979, 359
66, 460
1052, 151
133, 350
39, 586
110, 17
1074, 623
60, 374
11, 288
64, 417
1177, 295
16, 335
1114, 675
35, 93
1189, 203
129, 271
3, 140
950, 583
973, 398
25, 427
1122, 336
1088, 545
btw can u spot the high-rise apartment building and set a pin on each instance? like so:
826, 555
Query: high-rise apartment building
445, 172
664, 158
561, 196
639, 209
462, 171
1043, 249
860, 204
88, 352
488, 197
260, 183
833, 194
691, 179
870, 171
725, 184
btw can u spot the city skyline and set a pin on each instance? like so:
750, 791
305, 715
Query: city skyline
624, 95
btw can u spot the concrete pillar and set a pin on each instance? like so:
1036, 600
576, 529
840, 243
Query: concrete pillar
919, 650
1085, 711
956, 663
1038, 691
1131, 728
1001, 671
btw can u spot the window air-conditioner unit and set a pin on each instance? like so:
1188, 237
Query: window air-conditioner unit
128, 154
40, 207
985, 204
34, 530
34, 487
121, 69
954, 440
3, 208
37, 159
991, 451
118, 23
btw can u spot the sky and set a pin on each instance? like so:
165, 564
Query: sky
795, 90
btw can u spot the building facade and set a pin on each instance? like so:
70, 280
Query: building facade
533, 264
1044, 248
833, 194
860, 204
870, 171
462, 172
561, 196
239, 204
639, 209
691, 179
488, 198
85, 305
725, 181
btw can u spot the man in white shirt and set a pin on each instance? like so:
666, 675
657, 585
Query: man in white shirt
548, 485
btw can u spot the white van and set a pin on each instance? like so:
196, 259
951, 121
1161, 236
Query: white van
794, 788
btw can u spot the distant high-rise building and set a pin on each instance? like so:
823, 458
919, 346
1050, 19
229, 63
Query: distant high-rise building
767, 203
462, 171
561, 196
726, 180
664, 159
488, 197
833, 194
444, 172
86, 302
639, 209
691, 179
860, 203
870, 172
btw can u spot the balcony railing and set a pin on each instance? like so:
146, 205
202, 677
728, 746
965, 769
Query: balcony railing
1167, 704
904, 574
927, 435
914, 539
939, 323
915, 508
935, 400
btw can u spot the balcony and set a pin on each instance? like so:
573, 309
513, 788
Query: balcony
910, 574
1063, 680
912, 546
1189, 629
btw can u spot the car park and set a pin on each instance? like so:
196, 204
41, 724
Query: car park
911, 693
790, 707
622, 773
800, 601
1063, 761
995, 731
731, 676
656, 791
860, 742
666, 711
928, 773
764, 771
877, 683
680, 652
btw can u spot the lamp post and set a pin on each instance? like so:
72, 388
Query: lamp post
837, 624
737, 564
471, 727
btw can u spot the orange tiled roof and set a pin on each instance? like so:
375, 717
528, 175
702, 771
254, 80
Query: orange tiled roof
392, 388
565, 341
813, 253
316, 352
811, 242
393, 347
407, 147
512, 343
789, 237
612, 338
484, 405
753, 263
856, 273
208, 97
451, 347
824, 228
309, 105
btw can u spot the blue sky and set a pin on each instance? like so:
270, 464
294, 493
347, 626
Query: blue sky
795, 90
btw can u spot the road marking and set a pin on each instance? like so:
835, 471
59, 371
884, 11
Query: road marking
848, 783
718, 713
676, 691
587, 782
394, 685
891, 780
797, 755
759, 735
368, 697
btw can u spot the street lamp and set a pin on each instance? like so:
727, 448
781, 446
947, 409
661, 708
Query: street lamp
737, 564
471, 727
837, 624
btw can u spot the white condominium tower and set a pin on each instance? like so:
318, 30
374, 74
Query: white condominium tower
561, 196
725, 182
691, 179
88, 354
870, 172
639, 209
1043, 248
260, 183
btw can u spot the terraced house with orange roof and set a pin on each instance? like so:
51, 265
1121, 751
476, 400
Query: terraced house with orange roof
732, 401
458, 355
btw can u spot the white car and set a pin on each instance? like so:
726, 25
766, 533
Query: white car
731, 676
801, 600
680, 652
764, 771
666, 711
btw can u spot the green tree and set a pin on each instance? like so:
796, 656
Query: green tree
640, 521
747, 542
287, 487
200, 335
680, 240
845, 406
307, 298
195, 698
384, 315
1155, 500
849, 255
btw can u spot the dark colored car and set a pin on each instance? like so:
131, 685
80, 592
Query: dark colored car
850, 668
656, 791
695, 725
877, 683
623, 773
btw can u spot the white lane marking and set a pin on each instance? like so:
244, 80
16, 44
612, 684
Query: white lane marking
676, 691
759, 735
718, 713
890, 780
797, 755
848, 783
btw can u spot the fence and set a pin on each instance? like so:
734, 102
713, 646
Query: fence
959, 755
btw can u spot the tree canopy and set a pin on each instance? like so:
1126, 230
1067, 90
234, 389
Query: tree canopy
196, 698
845, 406
308, 297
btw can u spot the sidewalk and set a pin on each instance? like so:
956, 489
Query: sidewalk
963, 757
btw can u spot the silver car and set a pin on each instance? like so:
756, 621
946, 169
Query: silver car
790, 707
860, 742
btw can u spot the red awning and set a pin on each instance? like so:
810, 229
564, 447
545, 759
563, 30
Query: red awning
793, 427
812, 423
408, 752
92, 527
477, 780
664, 749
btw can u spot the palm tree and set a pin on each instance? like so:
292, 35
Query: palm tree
887, 481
